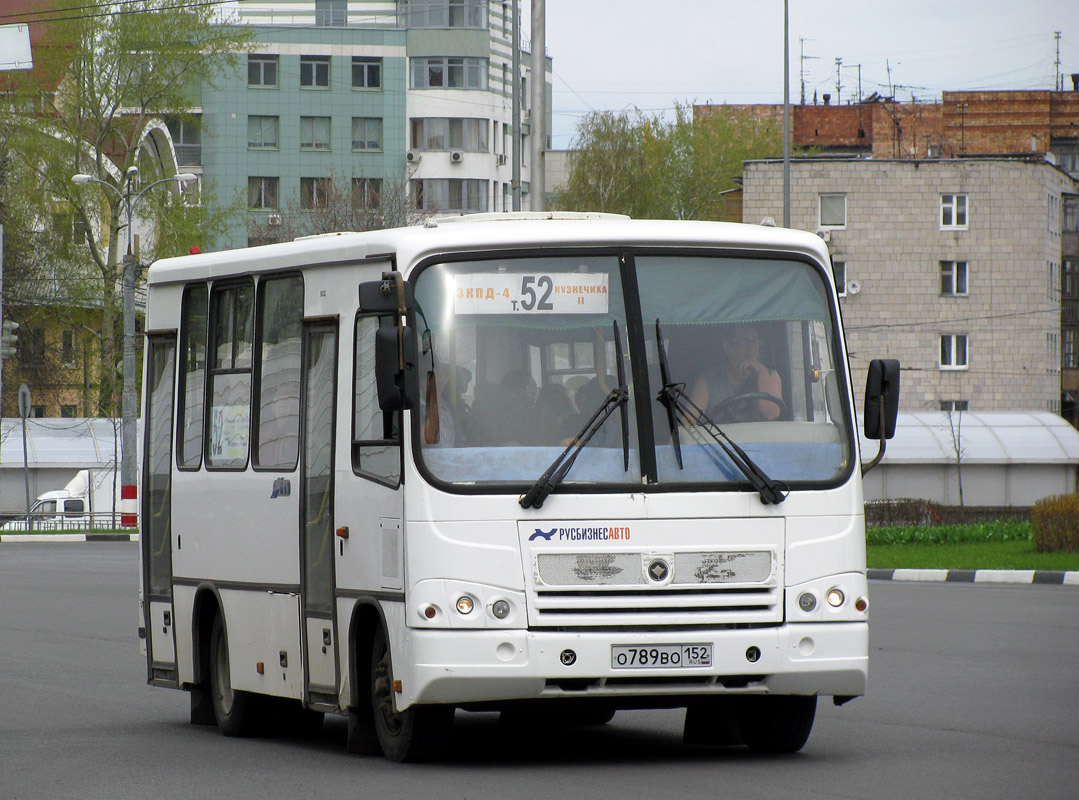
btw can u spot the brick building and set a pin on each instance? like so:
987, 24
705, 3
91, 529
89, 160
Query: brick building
953, 265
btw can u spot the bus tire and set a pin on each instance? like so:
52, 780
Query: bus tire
776, 723
234, 710
419, 733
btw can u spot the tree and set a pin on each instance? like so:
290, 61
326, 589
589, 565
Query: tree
650, 167
332, 204
95, 103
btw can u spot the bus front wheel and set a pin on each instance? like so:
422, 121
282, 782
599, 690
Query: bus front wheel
776, 723
234, 710
419, 733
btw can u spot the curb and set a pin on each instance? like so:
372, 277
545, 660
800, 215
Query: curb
1020, 576
57, 538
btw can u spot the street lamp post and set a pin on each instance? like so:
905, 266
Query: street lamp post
128, 465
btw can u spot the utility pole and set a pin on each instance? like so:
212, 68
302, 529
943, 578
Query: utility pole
802, 64
538, 140
515, 125
786, 116
838, 81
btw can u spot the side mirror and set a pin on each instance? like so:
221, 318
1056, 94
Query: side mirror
396, 376
391, 294
881, 398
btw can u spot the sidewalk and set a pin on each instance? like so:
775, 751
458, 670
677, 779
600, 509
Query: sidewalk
1026, 576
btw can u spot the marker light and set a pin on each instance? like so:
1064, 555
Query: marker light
861, 604
464, 604
500, 609
430, 612
835, 597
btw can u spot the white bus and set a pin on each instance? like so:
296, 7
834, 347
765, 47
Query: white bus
556, 466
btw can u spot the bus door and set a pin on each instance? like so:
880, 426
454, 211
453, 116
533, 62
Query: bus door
156, 512
317, 512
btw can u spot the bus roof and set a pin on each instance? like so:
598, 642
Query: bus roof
484, 232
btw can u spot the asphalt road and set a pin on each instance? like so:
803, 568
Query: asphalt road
974, 693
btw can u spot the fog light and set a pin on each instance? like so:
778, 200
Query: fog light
807, 602
464, 605
500, 609
835, 597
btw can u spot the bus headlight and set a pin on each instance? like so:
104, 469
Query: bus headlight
835, 597
464, 604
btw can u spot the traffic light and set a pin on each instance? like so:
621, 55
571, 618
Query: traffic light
8, 339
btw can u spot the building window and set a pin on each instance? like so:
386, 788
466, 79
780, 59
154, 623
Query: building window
833, 211
1069, 351
69, 348
314, 193
261, 133
314, 133
30, 346
443, 72
262, 71
366, 133
331, 13
953, 211
443, 133
69, 412
366, 72
1071, 278
953, 351
444, 13
315, 72
262, 192
187, 141
449, 194
954, 405
366, 192
953, 278
839, 272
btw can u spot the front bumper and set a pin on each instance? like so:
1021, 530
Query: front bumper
478, 666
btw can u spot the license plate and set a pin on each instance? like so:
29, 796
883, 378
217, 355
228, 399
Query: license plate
661, 656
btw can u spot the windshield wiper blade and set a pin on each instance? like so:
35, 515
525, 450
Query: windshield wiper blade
621, 370
554, 474
668, 395
677, 402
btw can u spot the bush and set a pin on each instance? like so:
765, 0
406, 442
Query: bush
1056, 524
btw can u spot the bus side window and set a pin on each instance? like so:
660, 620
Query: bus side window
280, 316
192, 376
230, 375
376, 446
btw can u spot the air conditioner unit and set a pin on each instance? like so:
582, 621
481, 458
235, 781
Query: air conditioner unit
501, 159
412, 156
275, 219
456, 157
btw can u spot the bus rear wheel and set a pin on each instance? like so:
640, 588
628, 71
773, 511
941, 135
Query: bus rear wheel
776, 723
234, 710
419, 733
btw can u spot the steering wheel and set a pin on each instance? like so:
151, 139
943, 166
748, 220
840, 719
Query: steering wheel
743, 408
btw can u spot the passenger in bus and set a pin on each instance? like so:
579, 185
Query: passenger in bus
452, 409
503, 414
740, 372
554, 408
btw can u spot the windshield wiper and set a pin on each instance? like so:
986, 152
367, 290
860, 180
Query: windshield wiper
554, 474
680, 408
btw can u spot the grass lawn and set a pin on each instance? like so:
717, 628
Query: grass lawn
968, 555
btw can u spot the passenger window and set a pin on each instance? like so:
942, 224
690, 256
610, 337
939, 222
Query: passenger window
280, 331
193, 376
230, 376
376, 439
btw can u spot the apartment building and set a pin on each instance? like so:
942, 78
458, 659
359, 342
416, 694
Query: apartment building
954, 266
412, 96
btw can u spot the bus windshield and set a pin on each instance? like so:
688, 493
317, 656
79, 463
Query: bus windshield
519, 354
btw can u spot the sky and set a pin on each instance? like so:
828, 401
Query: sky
624, 54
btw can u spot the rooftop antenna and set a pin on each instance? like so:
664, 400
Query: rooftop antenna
838, 81
802, 40
1058, 85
